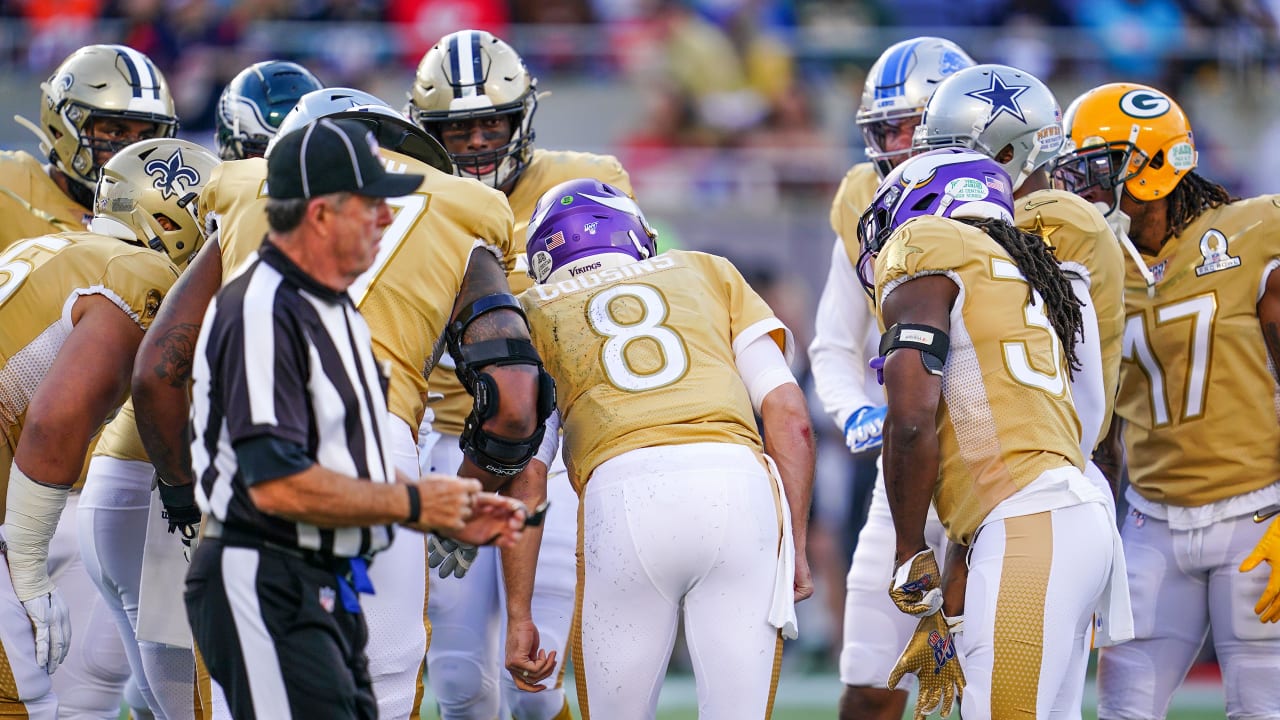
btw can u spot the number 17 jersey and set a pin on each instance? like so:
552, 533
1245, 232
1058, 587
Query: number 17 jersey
644, 355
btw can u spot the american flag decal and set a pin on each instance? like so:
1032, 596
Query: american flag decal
556, 240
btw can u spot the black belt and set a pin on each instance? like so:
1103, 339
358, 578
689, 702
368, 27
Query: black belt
239, 538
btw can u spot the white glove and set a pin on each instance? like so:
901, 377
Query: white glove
863, 430
52, 624
451, 556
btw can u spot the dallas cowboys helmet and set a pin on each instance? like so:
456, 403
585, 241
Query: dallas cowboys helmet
1003, 113
150, 180
897, 88
253, 104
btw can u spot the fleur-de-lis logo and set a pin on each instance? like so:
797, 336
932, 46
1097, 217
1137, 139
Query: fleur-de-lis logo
171, 177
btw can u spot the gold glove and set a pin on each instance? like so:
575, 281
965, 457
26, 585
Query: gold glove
916, 585
1268, 607
930, 655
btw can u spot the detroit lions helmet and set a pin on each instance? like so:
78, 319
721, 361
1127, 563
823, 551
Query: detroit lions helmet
468, 75
948, 182
148, 180
1125, 136
391, 130
897, 88
581, 218
1003, 113
97, 83
254, 103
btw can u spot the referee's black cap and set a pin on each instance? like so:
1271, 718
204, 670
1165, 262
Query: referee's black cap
331, 156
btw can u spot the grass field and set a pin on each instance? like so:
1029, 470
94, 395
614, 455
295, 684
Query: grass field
814, 697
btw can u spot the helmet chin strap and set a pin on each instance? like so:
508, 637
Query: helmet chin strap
1119, 222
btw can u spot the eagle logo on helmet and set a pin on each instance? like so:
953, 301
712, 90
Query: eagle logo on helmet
171, 176
1002, 98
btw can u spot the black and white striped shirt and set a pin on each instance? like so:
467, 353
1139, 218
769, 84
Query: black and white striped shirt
284, 360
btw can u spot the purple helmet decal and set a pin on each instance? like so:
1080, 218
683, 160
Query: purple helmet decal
580, 218
950, 182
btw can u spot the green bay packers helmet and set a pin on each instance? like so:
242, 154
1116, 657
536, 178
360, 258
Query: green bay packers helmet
1002, 112
1126, 136
253, 104
390, 129
897, 88
150, 180
471, 74
99, 82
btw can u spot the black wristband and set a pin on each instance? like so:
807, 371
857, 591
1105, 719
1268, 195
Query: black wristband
415, 503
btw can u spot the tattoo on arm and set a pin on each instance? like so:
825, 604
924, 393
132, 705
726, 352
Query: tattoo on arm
178, 346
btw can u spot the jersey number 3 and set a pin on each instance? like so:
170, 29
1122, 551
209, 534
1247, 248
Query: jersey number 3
621, 374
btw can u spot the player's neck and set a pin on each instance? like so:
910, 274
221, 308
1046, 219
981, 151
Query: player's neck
82, 195
1149, 226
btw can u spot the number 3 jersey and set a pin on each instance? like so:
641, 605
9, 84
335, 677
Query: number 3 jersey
644, 355
1006, 414
1196, 386
40, 280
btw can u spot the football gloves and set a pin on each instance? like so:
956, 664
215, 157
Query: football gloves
1268, 549
930, 655
450, 556
181, 511
51, 622
917, 585
863, 430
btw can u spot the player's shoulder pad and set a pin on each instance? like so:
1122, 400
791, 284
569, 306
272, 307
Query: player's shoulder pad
926, 244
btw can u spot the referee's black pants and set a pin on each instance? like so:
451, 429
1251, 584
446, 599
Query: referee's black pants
274, 634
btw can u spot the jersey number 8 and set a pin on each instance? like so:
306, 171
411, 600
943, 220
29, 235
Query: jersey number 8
675, 358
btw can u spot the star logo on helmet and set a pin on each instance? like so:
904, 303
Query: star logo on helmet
1002, 98
171, 176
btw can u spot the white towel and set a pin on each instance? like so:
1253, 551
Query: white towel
1113, 620
782, 609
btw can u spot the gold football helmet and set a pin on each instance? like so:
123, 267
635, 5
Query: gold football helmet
148, 192
1129, 136
95, 83
471, 74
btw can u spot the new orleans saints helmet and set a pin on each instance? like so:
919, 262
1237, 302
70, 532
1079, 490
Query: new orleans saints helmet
1126, 136
391, 130
471, 74
150, 179
897, 88
95, 83
1003, 113
253, 104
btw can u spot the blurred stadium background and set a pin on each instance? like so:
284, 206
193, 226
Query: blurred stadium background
735, 120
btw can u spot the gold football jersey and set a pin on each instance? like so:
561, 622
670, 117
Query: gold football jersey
1006, 413
1079, 234
857, 190
39, 278
1195, 386
643, 355
547, 169
31, 204
408, 294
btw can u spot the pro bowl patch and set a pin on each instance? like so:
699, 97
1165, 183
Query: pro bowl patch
966, 189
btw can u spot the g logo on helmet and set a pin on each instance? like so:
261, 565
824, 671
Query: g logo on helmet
1144, 104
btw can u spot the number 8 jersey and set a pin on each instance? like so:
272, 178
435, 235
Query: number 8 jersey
1006, 414
643, 355
1196, 386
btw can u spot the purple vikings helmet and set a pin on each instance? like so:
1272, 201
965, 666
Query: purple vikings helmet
950, 182
580, 218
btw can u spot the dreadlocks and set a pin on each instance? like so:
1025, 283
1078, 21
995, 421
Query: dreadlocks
1191, 197
1034, 258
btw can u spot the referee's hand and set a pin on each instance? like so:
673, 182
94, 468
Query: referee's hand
447, 503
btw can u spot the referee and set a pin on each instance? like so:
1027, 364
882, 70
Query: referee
289, 444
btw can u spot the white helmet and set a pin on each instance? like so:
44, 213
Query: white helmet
1002, 112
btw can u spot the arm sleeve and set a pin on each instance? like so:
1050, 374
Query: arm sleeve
762, 368
550, 440
845, 340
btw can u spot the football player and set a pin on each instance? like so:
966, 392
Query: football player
100, 99
254, 103
660, 360
474, 94
979, 318
1201, 339
68, 297
442, 248
114, 506
897, 88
